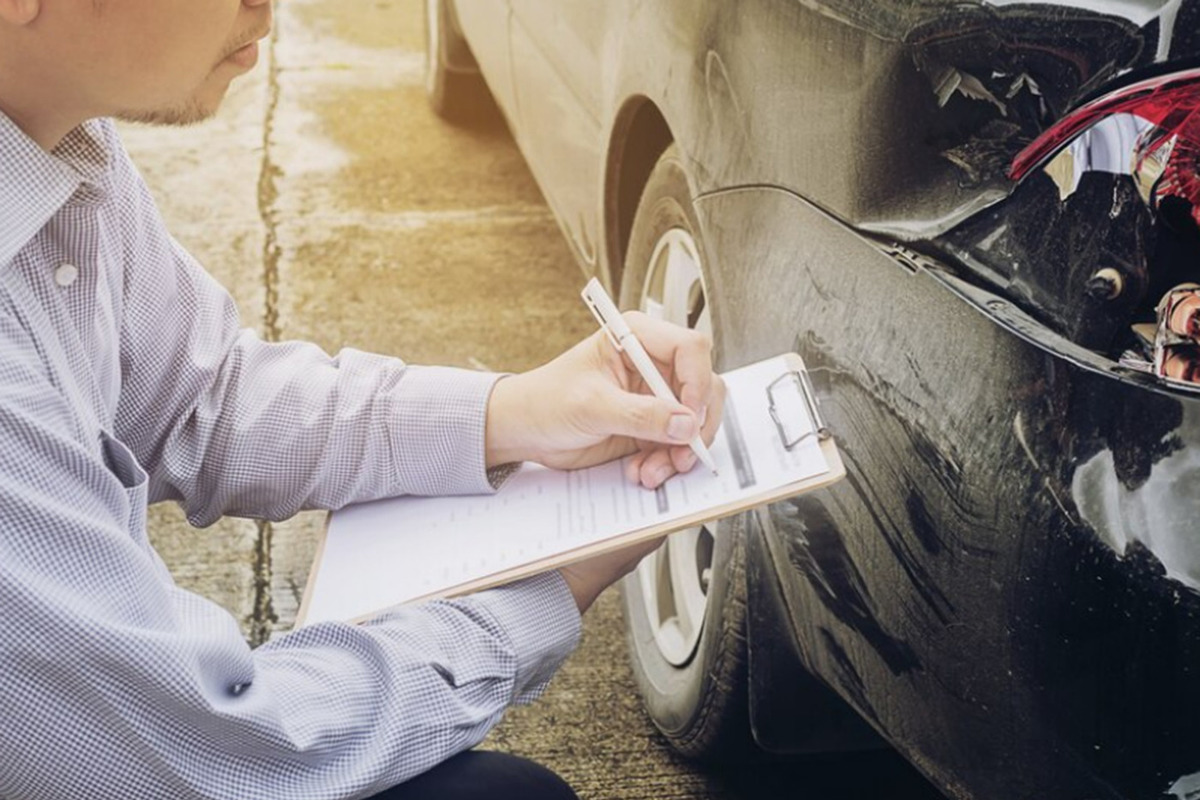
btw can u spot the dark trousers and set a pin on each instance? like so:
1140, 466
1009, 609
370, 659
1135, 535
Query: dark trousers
483, 775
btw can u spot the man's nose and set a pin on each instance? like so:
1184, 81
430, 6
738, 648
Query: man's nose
253, 3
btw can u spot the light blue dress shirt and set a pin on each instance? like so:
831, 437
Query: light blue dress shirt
125, 379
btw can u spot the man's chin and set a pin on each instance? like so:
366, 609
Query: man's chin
187, 114
201, 104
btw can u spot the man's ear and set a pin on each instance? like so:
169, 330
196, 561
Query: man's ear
19, 12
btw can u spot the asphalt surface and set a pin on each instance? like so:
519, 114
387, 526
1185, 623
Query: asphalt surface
336, 208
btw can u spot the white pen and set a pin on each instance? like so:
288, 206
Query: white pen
613, 324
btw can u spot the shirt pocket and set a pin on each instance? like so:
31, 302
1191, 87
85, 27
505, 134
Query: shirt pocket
125, 467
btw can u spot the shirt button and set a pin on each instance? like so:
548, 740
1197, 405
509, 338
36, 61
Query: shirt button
65, 275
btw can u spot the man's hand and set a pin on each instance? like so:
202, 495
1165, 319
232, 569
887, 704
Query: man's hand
589, 406
588, 578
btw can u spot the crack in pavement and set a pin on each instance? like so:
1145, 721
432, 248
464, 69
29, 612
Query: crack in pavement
264, 616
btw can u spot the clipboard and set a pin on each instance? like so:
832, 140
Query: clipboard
788, 400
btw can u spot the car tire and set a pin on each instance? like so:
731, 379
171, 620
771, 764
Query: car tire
692, 682
455, 88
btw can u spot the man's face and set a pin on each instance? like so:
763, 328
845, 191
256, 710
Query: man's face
168, 61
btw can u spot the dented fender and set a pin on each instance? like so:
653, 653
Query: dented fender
1004, 582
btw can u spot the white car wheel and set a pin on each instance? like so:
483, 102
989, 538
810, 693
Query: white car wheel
684, 605
674, 579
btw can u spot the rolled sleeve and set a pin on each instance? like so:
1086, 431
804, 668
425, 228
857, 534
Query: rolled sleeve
438, 437
226, 423
541, 619
164, 694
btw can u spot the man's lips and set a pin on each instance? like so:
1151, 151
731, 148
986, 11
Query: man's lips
245, 56
248, 49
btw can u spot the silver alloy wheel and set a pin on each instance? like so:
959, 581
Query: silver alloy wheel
674, 580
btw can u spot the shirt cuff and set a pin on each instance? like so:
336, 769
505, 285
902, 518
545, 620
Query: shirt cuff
542, 621
438, 434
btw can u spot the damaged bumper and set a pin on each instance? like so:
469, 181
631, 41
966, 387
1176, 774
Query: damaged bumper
1006, 584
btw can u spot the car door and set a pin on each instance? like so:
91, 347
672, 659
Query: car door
556, 51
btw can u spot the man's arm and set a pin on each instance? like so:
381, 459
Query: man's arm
226, 423
103, 656
229, 424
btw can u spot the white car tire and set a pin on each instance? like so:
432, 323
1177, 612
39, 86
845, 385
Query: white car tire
456, 90
685, 605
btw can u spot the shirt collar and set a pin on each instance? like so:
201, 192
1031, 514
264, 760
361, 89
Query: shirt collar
35, 184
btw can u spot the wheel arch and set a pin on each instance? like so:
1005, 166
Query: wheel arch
640, 134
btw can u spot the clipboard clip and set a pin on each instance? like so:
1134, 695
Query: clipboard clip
782, 394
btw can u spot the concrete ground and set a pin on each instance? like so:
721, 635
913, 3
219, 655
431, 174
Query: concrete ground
336, 208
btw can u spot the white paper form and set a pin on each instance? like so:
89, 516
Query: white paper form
389, 552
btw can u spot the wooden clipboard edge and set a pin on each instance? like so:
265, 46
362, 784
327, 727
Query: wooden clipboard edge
528, 570
310, 584
836, 471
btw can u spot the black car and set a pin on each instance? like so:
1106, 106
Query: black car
977, 222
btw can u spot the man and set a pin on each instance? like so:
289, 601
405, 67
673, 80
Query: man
124, 379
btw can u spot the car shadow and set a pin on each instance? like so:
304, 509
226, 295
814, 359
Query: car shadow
853, 776
483, 120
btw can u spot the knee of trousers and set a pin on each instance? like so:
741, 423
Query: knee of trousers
484, 775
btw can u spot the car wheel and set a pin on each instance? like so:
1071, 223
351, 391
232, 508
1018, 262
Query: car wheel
684, 605
453, 84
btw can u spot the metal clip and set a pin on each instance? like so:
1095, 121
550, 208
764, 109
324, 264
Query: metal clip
803, 386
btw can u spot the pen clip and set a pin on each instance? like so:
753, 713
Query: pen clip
603, 323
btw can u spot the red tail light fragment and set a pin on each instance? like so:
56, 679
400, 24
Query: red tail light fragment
1150, 132
1166, 157
1169, 102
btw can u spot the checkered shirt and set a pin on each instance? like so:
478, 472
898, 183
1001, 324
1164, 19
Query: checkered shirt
125, 379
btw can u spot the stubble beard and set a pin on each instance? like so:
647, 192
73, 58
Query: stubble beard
190, 112
198, 107
200, 104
